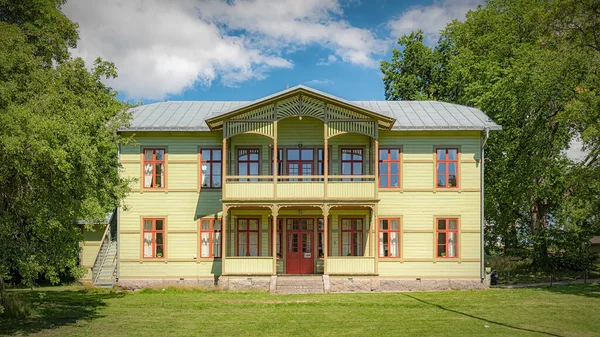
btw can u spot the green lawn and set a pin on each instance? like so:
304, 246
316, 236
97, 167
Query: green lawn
72, 311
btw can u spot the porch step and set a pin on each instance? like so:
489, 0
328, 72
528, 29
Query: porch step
299, 285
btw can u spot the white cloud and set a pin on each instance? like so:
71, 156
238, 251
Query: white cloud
164, 47
431, 19
330, 59
324, 81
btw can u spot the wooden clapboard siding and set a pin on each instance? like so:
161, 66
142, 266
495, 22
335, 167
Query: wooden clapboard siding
444, 269
90, 248
308, 131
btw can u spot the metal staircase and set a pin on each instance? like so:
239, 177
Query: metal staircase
105, 266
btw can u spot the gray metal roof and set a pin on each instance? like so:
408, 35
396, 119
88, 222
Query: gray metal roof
409, 115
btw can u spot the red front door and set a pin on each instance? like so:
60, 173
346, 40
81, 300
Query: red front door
299, 257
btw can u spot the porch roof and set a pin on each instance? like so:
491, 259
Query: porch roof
408, 115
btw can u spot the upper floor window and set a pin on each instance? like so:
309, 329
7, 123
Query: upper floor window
447, 166
211, 168
248, 163
352, 162
154, 168
247, 237
300, 162
389, 237
447, 238
154, 238
210, 236
279, 162
352, 237
389, 168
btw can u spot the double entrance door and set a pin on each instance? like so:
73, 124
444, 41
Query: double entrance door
300, 256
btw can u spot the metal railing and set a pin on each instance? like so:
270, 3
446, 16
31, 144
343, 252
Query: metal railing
104, 246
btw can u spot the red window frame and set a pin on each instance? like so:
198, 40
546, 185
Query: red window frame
300, 162
352, 231
279, 162
154, 162
446, 242
321, 230
248, 245
279, 248
153, 231
211, 163
389, 231
213, 248
248, 161
388, 162
352, 161
445, 163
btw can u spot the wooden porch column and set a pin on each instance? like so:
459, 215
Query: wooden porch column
376, 164
224, 234
325, 159
274, 163
325, 209
275, 214
224, 168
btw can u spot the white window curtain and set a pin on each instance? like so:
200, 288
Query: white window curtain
148, 175
394, 240
148, 245
452, 244
205, 244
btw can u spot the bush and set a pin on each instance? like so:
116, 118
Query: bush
510, 265
12, 306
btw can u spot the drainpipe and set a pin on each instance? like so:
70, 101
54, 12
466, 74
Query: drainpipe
482, 251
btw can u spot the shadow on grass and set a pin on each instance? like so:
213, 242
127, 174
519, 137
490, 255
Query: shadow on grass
480, 318
588, 290
53, 309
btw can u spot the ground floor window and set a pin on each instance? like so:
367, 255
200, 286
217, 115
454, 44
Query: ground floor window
389, 237
352, 237
247, 237
447, 238
153, 238
210, 237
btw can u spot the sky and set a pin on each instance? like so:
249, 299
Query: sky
247, 49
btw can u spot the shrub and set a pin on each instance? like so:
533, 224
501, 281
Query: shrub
12, 306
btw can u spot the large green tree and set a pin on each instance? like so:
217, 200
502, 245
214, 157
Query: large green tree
533, 66
58, 142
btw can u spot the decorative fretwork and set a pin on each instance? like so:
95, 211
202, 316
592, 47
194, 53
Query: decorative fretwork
313, 107
237, 127
289, 107
263, 113
335, 112
368, 128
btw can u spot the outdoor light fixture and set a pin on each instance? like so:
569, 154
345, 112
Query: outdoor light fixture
299, 144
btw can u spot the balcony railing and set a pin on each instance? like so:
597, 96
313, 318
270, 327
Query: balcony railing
300, 187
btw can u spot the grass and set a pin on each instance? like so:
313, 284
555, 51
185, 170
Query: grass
75, 311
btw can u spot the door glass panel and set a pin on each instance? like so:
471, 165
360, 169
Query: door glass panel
293, 243
306, 243
253, 244
357, 168
242, 239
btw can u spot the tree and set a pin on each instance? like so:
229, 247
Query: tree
58, 142
533, 67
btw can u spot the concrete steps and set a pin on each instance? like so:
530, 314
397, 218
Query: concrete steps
299, 285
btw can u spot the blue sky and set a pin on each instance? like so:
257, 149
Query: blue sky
246, 49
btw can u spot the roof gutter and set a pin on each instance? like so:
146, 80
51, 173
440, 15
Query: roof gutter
482, 250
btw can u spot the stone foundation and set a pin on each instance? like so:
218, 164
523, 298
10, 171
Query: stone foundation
135, 284
333, 284
344, 284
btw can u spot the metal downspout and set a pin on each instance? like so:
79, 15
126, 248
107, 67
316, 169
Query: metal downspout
482, 252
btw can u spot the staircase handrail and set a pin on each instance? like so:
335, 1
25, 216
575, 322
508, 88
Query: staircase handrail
98, 261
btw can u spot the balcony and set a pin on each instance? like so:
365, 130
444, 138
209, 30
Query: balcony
339, 187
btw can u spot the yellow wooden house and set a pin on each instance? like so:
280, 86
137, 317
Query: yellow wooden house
358, 195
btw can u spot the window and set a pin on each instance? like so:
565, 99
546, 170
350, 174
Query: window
154, 238
154, 168
447, 238
248, 163
447, 166
389, 168
210, 237
321, 237
247, 237
352, 237
352, 163
279, 237
211, 168
389, 237
279, 162
300, 163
